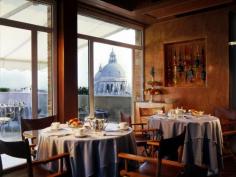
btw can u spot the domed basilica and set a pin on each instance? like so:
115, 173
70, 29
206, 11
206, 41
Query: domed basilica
111, 79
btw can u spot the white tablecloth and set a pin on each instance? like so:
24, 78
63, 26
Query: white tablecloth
92, 155
203, 139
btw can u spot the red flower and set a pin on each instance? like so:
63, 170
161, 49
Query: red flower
154, 83
152, 91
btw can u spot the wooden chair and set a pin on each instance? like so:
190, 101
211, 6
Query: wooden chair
145, 113
21, 149
228, 125
155, 166
34, 124
142, 133
127, 118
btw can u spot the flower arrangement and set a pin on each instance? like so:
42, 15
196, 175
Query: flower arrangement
154, 86
154, 83
152, 91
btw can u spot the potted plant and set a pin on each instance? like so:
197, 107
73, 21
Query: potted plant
153, 86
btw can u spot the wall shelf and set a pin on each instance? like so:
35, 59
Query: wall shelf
185, 63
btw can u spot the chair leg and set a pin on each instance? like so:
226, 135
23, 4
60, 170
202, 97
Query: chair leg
158, 173
228, 147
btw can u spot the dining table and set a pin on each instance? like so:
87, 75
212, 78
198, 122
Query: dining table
93, 154
203, 139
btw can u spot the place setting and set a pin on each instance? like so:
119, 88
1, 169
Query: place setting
57, 129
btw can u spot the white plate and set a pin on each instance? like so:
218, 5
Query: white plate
55, 129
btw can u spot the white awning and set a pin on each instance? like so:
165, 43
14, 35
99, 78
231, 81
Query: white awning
11, 64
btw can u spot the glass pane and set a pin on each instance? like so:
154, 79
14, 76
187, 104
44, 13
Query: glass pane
15, 79
45, 94
83, 78
112, 81
98, 28
26, 11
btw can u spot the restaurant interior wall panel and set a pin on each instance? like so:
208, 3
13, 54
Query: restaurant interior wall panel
211, 26
232, 59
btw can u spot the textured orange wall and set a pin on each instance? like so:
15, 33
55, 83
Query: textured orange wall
213, 26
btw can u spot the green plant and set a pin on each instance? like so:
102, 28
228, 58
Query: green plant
152, 71
83, 91
3, 89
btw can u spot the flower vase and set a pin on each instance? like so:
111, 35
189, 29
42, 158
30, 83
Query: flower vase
150, 99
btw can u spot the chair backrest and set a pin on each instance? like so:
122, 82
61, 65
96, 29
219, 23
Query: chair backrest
227, 118
169, 147
125, 118
18, 149
35, 124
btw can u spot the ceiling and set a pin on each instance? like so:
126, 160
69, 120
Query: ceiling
152, 11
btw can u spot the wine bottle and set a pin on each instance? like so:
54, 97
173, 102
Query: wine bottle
174, 68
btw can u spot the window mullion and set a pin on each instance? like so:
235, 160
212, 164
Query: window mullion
91, 79
34, 49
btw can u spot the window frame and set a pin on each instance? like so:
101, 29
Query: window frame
91, 40
34, 29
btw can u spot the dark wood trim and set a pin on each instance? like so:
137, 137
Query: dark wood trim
149, 12
109, 12
23, 25
177, 8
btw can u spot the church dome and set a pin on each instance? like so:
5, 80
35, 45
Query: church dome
111, 70
110, 79
99, 73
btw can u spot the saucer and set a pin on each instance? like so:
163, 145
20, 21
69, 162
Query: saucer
81, 136
126, 128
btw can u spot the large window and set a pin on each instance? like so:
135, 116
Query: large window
26, 63
107, 58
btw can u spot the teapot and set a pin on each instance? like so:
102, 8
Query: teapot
97, 124
180, 111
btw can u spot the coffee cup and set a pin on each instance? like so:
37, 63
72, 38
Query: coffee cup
123, 125
55, 125
80, 132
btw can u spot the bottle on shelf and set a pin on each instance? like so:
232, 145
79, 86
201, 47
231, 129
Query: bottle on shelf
174, 60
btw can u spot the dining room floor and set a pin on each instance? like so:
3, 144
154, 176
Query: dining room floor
228, 171
229, 165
